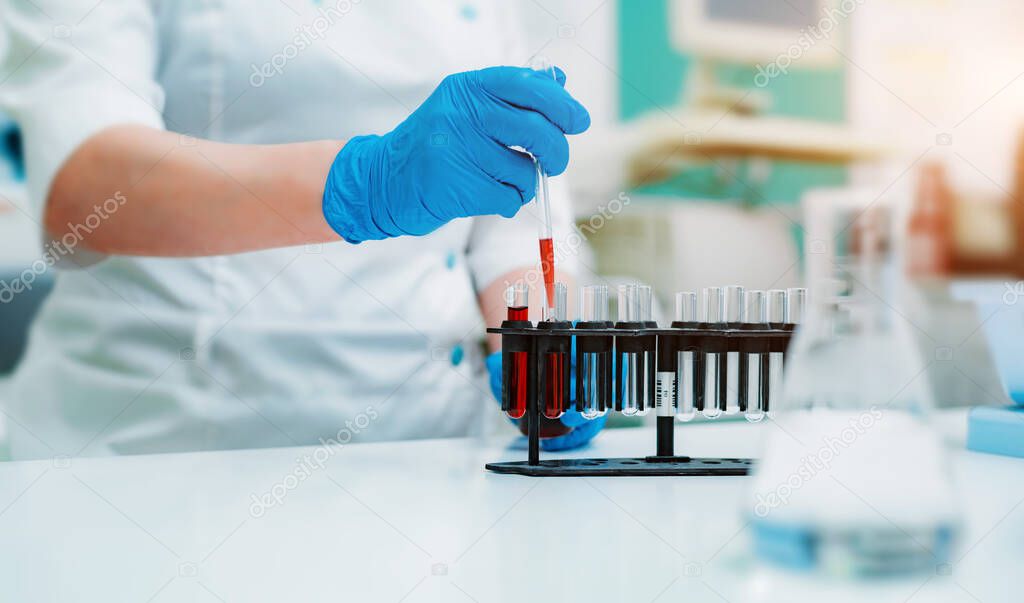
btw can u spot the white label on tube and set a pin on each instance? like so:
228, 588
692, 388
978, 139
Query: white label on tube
666, 394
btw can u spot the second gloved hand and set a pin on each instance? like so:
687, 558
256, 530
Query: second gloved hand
579, 430
451, 157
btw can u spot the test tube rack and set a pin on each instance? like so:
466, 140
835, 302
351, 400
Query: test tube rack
662, 345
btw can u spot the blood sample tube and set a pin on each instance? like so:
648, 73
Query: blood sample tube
772, 365
556, 379
517, 300
714, 310
515, 363
756, 319
686, 359
594, 354
735, 312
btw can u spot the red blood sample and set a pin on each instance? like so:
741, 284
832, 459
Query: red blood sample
517, 378
519, 313
554, 399
547, 265
517, 385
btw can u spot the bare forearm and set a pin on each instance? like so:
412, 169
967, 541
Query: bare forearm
186, 197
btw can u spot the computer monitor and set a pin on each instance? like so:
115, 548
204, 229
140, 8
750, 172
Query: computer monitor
759, 32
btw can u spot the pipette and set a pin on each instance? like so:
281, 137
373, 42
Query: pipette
545, 232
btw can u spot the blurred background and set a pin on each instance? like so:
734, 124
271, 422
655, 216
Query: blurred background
731, 138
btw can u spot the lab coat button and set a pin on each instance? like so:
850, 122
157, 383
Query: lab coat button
457, 354
449, 260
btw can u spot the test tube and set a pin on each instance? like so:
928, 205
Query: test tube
557, 363
714, 312
796, 305
557, 312
735, 313
777, 311
686, 360
756, 317
634, 359
515, 363
594, 362
645, 305
645, 314
517, 301
545, 233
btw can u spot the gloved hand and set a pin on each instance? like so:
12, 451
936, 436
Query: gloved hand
451, 157
581, 430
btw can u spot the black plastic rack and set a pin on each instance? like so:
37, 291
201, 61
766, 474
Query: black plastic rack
609, 341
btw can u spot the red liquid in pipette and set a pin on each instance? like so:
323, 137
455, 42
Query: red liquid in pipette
517, 378
547, 265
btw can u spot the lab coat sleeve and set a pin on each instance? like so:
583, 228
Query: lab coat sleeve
499, 245
71, 69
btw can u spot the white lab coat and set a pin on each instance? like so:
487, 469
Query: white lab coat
353, 342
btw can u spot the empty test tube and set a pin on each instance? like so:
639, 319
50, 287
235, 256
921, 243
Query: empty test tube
686, 360
714, 314
645, 305
755, 355
594, 354
557, 312
796, 305
776, 311
735, 312
635, 393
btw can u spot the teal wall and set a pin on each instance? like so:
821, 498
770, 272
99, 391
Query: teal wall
652, 76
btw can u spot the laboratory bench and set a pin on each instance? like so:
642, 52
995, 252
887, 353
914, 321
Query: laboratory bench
423, 521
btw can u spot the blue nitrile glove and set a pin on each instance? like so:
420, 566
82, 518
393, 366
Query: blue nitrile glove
451, 157
582, 430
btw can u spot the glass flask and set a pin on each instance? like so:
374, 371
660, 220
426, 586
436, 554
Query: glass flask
855, 481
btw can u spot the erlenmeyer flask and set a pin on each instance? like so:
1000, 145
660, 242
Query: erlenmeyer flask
854, 480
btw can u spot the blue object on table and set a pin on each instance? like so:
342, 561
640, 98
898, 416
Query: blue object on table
999, 429
996, 430
583, 429
1001, 310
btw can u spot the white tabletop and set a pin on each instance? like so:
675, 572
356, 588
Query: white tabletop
423, 521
